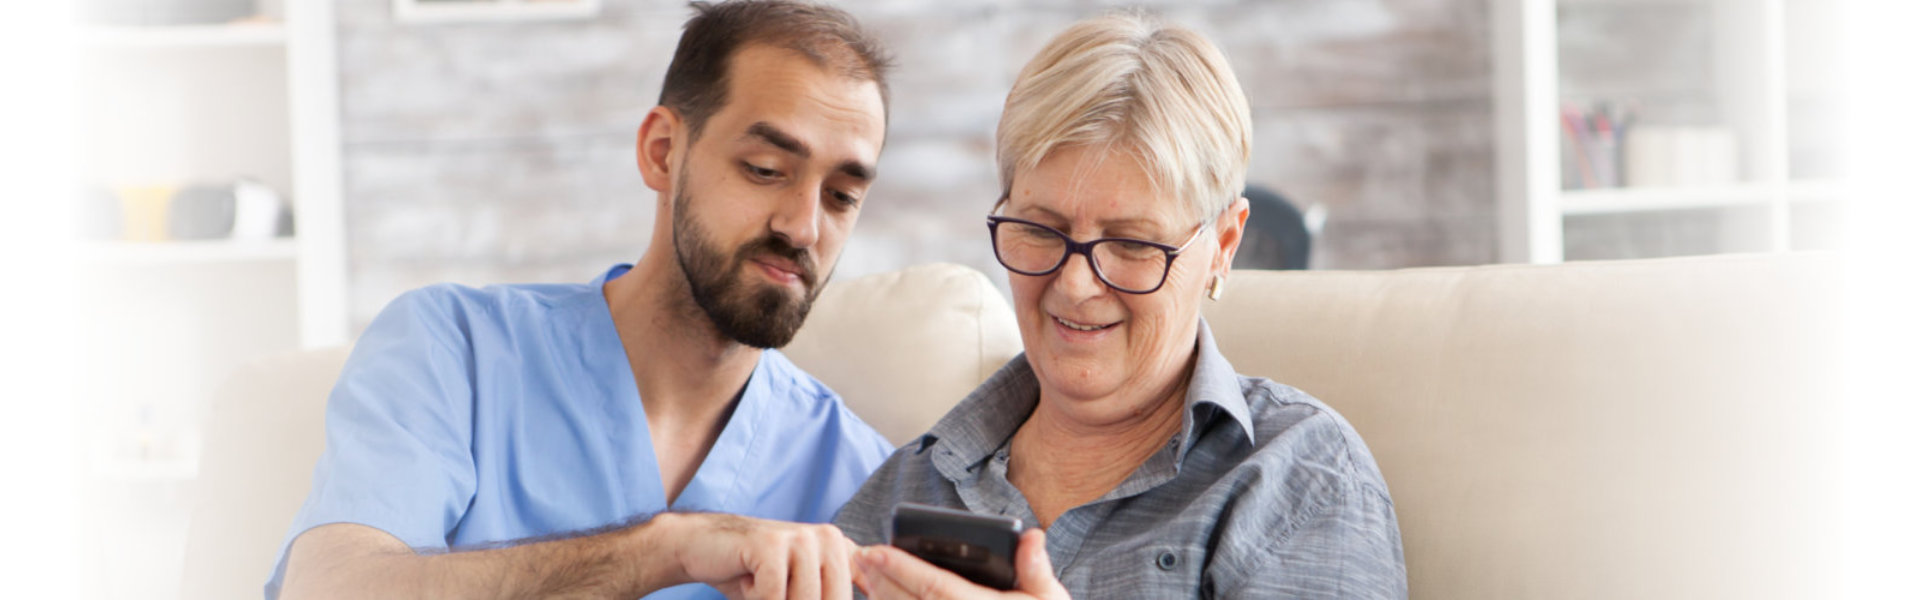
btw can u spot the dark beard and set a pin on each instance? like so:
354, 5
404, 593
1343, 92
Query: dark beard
759, 316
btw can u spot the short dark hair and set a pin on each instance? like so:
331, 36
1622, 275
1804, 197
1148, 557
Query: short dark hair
696, 84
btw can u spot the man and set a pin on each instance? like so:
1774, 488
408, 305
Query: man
586, 440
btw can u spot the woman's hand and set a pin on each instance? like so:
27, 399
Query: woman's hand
886, 573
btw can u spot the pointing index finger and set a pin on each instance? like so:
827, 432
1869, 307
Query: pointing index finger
887, 566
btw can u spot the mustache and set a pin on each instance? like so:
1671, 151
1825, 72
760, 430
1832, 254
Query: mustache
776, 246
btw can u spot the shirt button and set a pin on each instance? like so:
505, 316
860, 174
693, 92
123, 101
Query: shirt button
1167, 561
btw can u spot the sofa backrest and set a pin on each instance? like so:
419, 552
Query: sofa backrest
903, 347
263, 433
1634, 429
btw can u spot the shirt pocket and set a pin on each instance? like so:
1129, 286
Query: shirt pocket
1151, 571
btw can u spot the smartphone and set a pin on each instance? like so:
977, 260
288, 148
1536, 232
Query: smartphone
977, 547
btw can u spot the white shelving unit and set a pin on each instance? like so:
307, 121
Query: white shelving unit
178, 36
1757, 62
1658, 199
182, 253
167, 321
268, 108
168, 106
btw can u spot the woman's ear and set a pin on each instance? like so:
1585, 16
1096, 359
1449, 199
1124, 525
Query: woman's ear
1231, 224
659, 137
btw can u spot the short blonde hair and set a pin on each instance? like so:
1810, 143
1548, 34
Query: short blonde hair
1126, 82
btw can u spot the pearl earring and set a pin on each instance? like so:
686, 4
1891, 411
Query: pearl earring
1216, 287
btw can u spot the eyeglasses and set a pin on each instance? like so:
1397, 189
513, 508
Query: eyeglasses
1124, 264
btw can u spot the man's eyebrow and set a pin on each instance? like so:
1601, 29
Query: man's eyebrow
779, 139
857, 170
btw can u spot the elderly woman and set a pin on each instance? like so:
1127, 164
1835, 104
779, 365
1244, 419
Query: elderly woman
1153, 468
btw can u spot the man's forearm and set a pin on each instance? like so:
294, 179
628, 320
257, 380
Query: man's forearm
354, 561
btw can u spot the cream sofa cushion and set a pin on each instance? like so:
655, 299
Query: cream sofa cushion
1641, 429
903, 347
264, 432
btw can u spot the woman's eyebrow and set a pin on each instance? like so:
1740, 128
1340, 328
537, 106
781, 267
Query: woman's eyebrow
1141, 223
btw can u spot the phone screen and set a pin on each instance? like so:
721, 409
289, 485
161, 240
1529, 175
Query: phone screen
977, 547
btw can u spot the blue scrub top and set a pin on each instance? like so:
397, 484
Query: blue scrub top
470, 416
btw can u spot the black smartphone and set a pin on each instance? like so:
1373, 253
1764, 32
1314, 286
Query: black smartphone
977, 547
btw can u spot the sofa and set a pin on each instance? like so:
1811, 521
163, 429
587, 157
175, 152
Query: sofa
1629, 429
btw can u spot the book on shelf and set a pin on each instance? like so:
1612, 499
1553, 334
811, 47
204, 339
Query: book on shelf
1604, 146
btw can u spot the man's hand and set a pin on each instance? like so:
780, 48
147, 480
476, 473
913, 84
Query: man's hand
886, 573
747, 558
744, 558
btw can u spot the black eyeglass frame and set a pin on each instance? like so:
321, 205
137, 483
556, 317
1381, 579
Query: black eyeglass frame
1086, 249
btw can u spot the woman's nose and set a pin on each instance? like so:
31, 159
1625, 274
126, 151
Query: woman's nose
1076, 278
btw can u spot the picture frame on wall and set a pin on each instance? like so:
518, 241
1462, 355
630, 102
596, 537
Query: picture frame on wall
433, 11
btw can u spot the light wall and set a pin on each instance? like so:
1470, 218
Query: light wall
483, 153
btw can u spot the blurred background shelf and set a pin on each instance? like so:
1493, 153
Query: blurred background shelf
1629, 200
1736, 95
1628, 2
187, 252
171, 470
162, 107
245, 34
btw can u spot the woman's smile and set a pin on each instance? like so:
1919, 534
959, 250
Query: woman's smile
1082, 331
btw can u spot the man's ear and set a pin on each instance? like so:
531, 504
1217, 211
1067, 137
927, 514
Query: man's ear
659, 138
1231, 225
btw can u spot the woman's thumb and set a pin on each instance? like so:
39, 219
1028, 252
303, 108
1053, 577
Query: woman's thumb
1033, 569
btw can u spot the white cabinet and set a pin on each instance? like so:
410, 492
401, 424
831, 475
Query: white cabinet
1643, 128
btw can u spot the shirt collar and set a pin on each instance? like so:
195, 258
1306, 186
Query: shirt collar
984, 420
1214, 383
772, 367
728, 462
988, 417
610, 275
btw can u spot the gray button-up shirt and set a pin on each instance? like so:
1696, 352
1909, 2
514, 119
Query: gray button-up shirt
1265, 493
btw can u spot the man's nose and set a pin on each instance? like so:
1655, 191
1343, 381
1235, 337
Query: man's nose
797, 217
